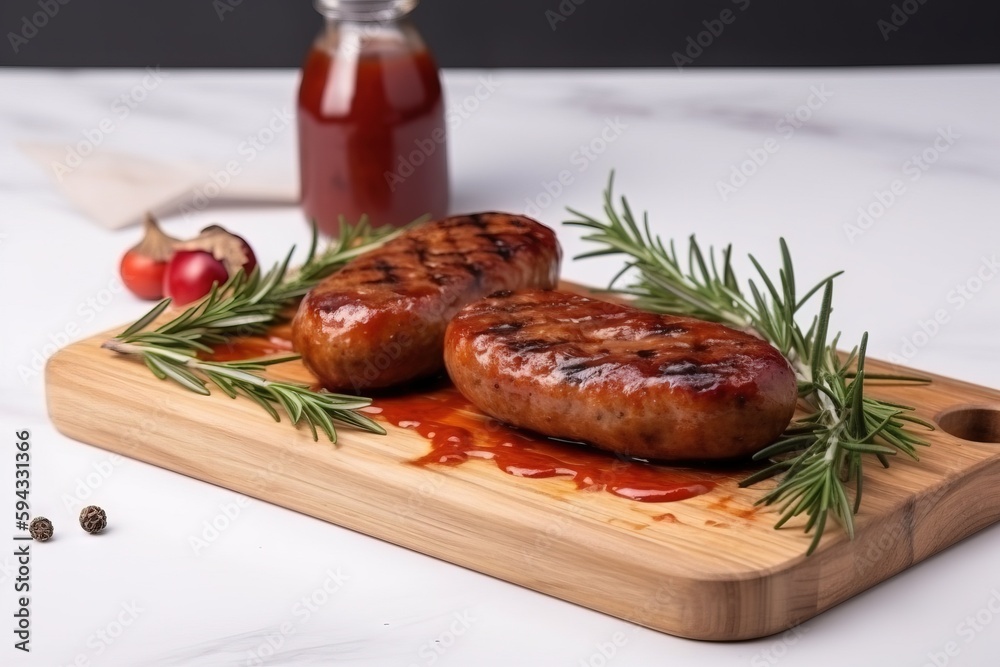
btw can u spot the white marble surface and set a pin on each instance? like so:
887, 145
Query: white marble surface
680, 133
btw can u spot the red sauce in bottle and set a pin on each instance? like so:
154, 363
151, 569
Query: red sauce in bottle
372, 135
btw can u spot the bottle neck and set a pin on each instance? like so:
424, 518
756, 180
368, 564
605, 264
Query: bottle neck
364, 10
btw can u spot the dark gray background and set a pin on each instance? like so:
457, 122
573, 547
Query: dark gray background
512, 33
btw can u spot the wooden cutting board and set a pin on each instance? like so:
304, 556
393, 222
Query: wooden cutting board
709, 567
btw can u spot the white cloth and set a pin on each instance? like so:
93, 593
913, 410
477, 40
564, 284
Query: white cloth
117, 189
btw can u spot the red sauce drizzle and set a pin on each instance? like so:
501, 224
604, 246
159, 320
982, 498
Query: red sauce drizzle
459, 433
276, 341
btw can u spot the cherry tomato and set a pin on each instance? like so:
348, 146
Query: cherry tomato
142, 275
190, 275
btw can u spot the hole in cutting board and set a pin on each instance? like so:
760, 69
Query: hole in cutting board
978, 423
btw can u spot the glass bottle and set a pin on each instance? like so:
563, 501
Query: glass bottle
371, 118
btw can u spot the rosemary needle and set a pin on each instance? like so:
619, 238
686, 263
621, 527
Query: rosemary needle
824, 450
246, 305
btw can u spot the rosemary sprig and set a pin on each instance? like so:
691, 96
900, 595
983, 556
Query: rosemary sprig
247, 305
823, 451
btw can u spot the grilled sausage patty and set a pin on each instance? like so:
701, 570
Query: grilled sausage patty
625, 380
380, 320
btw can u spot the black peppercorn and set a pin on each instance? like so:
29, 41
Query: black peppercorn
40, 528
93, 519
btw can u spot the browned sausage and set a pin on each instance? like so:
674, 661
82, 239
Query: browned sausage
380, 320
625, 380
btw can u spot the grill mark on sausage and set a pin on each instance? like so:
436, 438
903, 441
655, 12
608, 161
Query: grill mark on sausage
574, 368
529, 345
662, 329
577, 372
421, 251
440, 279
499, 245
681, 367
414, 284
504, 328
671, 387
386, 269
477, 221
474, 270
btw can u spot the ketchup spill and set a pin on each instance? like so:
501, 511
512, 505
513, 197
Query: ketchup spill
459, 433
276, 341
